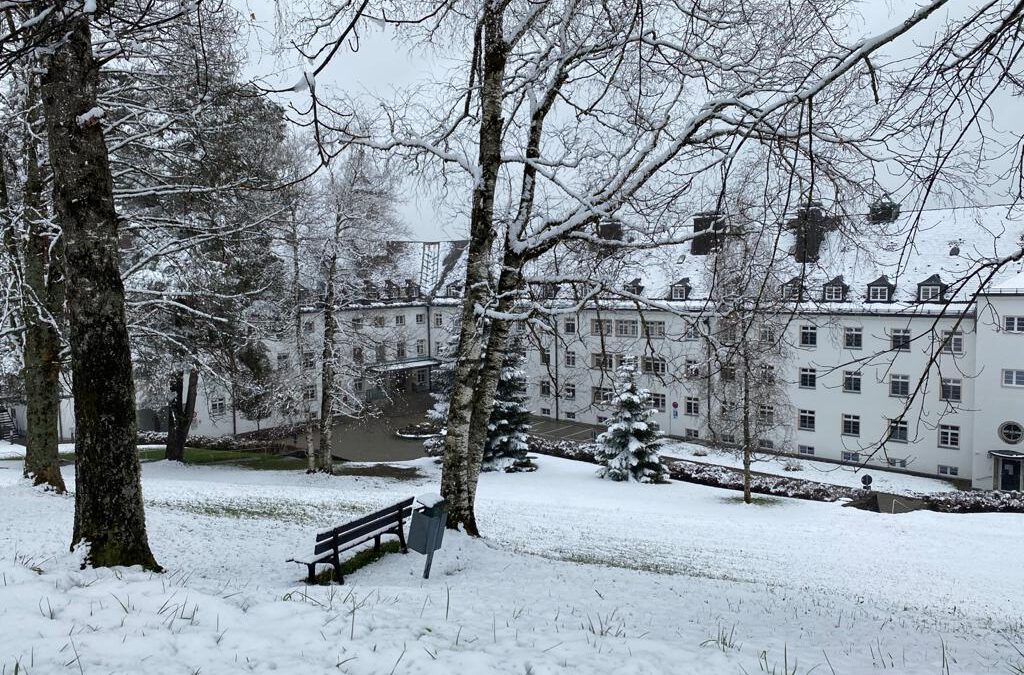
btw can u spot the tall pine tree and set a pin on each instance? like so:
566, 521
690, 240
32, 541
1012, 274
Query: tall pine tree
505, 449
629, 449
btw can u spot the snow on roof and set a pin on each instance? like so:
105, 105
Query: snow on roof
947, 246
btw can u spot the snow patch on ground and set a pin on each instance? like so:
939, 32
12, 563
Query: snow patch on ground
820, 472
10, 450
563, 582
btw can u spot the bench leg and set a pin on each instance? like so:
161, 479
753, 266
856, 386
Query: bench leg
337, 570
311, 568
376, 544
401, 538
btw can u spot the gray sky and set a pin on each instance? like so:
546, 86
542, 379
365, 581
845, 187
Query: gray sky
380, 66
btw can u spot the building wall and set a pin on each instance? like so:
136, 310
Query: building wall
924, 411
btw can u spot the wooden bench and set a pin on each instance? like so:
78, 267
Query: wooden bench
330, 543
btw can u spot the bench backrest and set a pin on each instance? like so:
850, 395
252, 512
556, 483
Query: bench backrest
360, 527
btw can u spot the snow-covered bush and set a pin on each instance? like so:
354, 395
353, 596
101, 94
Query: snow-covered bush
509, 426
792, 465
629, 449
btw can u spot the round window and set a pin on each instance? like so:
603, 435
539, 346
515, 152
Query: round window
1011, 432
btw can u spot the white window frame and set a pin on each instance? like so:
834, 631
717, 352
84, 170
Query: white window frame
833, 293
949, 436
679, 291
438, 320
929, 293
1013, 377
654, 330
654, 365
627, 328
545, 388
601, 327
218, 406
601, 361
851, 420
904, 345
691, 406
850, 456
1013, 324
421, 347
948, 470
850, 331
569, 326
569, 392
811, 373
421, 318
400, 319
808, 336
899, 431
878, 293
658, 401
850, 376
955, 384
570, 358
807, 450
806, 420
903, 379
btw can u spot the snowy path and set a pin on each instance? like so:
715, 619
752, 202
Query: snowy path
808, 580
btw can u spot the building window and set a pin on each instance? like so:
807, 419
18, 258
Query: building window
952, 342
601, 361
600, 326
766, 444
851, 425
600, 395
833, 293
853, 338
900, 463
691, 405
307, 327
601, 419
309, 393
1011, 432
878, 293
767, 373
570, 326
1013, 378
808, 378
691, 369
570, 415
378, 321
570, 392
626, 328
357, 354
545, 356
899, 385
680, 291
898, 431
545, 411
946, 470
728, 438
545, 388
1013, 324
929, 293
692, 434
218, 406
851, 381
949, 436
805, 420
282, 361
421, 348
438, 349
570, 358
692, 332
766, 415
805, 450
438, 320
400, 320
358, 384
380, 353
791, 292
900, 339
654, 329
850, 456
728, 373
357, 323
808, 336
421, 318
400, 350
308, 361
655, 365
421, 376
950, 389
658, 401
766, 335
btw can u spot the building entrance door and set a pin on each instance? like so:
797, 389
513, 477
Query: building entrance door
1010, 475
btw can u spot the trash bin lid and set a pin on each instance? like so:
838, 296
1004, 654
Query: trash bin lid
430, 499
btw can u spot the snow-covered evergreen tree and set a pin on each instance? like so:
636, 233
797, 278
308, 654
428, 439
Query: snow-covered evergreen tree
441, 386
629, 449
506, 445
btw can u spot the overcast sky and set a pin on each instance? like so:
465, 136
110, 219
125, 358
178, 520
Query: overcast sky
380, 66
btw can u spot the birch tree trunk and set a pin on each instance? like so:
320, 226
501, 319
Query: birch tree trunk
325, 460
456, 473
297, 304
41, 308
181, 410
109, 514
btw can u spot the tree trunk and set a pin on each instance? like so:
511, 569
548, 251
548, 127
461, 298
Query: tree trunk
181, 410
747, 440
325, 460
41, 308
455, 477
110, 516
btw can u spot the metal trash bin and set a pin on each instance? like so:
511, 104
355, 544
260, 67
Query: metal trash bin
426, 530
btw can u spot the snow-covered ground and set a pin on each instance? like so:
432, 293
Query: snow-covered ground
576, 575
821, 472
10, 450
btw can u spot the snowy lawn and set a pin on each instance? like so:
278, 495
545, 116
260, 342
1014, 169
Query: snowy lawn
10, 450
821, 472
576, 575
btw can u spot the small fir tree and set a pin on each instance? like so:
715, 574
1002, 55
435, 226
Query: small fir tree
506, 446
629, 449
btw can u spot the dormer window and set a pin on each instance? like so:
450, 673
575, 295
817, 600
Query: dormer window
453, 290
792, 291
931, 289
680, 292
878, 294
833, 294
634, 287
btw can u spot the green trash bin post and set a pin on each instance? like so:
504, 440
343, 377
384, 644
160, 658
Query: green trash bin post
426, 530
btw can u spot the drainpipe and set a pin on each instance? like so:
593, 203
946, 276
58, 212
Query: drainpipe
558, 384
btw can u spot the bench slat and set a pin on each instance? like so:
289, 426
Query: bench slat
334, 531
382, 524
